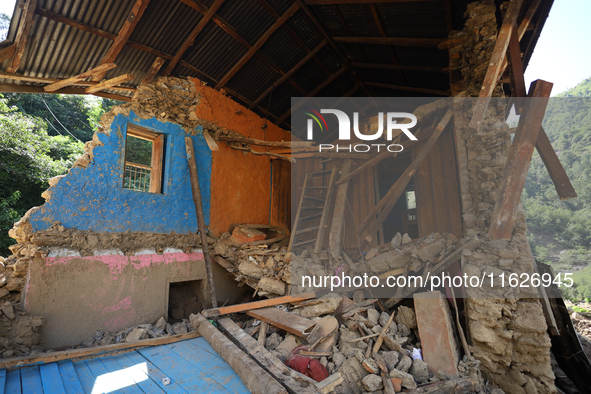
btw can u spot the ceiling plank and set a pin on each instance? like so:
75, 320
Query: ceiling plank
290, 11
109, 82
14, 88
313, 93
399, 67
495, 64
409, 89
24, 78
103, 68
124, 33
380, 25
198, 29
289, 73
154, 68
24, 27
395, 41
7, 52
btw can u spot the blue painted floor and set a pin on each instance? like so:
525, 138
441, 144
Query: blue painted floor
191, 365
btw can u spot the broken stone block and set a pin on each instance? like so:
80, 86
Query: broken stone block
383, 320
404, 364
397, 384
372, 382
329, 304
250, 269
373, 315
8, 310
371, 365
419, 371
353, 373
4, 292
428, 252
396, 241
136, 334
406, 316
391, 359
273, 341
436, 331
160, 324
289, 343
180, 328
406, 239
271, 286
245, 234
407, 379
403, 330
338, 359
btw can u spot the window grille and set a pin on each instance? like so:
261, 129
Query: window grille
143, 160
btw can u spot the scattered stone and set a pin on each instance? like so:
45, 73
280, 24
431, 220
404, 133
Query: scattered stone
180, 328
373, 315
419, 371
372, 382
8, 310
396, 241
160, 324
4, 292
391, 359
383, 320
397, 384
406, 316
406, 239
407, 379
273, 341
329, 304
338, 358
371, 365
404, 364
403, 330
136, 334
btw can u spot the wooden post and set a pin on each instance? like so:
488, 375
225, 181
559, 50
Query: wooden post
338, 219
200, 217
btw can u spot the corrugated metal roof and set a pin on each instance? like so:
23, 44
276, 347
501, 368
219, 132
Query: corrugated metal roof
58, 50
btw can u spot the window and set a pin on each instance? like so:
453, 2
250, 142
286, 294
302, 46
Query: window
143, 160
411, 200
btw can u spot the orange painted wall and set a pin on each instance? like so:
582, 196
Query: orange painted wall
240, 182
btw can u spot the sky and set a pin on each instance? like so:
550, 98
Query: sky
563, 52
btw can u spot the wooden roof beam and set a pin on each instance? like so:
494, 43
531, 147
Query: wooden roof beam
198, 29
395, 41
15, 77
7, 52
103, 68
24, 27
14, 88
431, 92
399, 67
290, 11
124, 33
154, 68
378, 21
109, 82
289, 73
313, 93
496, 62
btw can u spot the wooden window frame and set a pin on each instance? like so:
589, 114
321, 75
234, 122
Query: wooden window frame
157, 141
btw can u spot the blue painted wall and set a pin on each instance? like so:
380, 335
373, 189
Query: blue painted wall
93, 198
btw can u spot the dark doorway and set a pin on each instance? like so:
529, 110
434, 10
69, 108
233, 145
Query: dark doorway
183, 299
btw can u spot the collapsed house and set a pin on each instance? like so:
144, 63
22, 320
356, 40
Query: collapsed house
115, 245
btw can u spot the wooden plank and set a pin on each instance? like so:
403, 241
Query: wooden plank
288, 74
290, 11
380, 66
31, 380
225, 310
138, 375
86, 377
296, 221
214, 367
323, 224
22, 33
254, 141
450, 175
77, 353
213, 146
496, 62
291, 379
25, 78
561, 181
389, 200
329, 384
394, 41
154, 68
518, 162
7, 52
104, 381
51, 379
109, 82
202, 344
155, 374
335, 236
435, 160
287, 321
70, 379
73, 80
516, 68
124, 33
523, 26
431, 92
120, 376
189, 40
13, 382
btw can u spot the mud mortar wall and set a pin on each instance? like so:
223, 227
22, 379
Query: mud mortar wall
506, 326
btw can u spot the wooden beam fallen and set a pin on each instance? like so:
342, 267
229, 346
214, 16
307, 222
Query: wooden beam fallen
13, 88
394, 41
154, 68
124, 33
287, 321
91, 351
189, 40
24, 78
22, 33
73, 80
496, 62
256, 379
520, 154
226, 310
109, 83
290, 378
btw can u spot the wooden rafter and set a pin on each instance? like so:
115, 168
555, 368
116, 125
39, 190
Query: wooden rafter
395, 41
380, 25
398, 67
198, 29
520, 155
495, 63
109, 82
14, 88
103, 68
288, 74
124, 33
290, 11
313, 93
24, 27
24, 78
154, 68
409, 89
7, 52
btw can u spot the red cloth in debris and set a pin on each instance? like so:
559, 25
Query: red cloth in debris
308, 366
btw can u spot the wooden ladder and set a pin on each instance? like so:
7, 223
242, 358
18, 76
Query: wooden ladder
309, 205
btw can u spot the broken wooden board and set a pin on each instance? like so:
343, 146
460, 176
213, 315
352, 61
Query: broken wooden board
329, 384
225, 310
287, 321
293, 380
